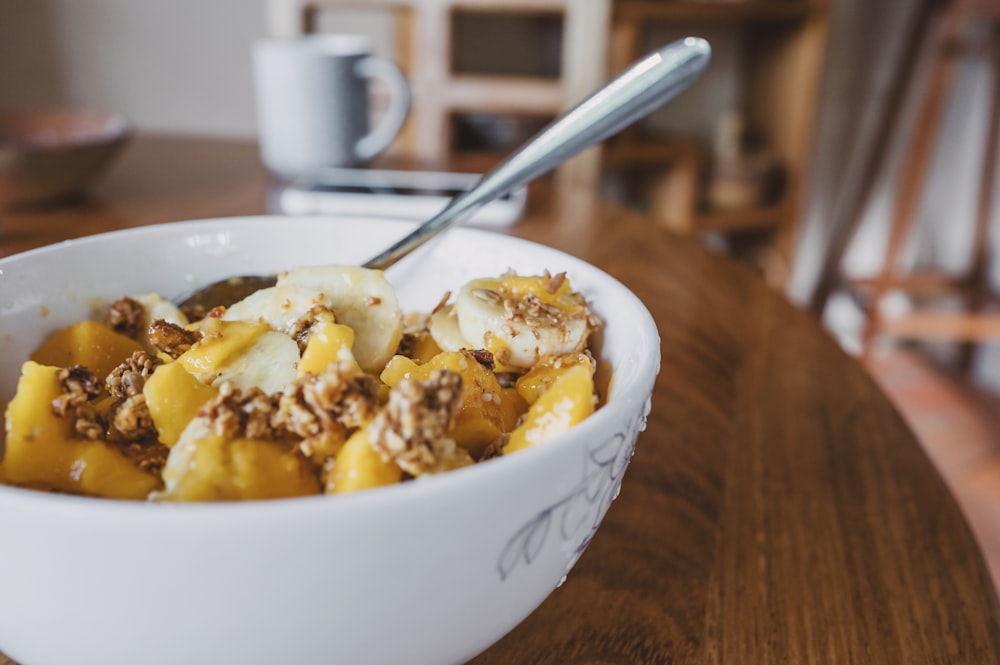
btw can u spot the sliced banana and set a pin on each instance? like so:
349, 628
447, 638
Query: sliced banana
443, 325
270, 364
278, 307
158, 307
359, 298
244, 354
516, 318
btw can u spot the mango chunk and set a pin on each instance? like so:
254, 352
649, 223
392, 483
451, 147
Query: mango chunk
89, 343
358, 466
397, 369
208, 467
42, 450
174, 397
424, 348
103, 471
38, 441
512, 407
533, 383
568, 401
329, 343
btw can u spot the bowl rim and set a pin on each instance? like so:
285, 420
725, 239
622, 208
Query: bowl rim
117, 129
617, 407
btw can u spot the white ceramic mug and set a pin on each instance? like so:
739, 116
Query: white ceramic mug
313, 102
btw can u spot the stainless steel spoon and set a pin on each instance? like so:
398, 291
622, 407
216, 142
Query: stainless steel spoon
634, 93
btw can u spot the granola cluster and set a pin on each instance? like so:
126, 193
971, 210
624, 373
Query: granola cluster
125, 316
412, 428
171, 338
79, 387
314, 410
126, 422
130, 417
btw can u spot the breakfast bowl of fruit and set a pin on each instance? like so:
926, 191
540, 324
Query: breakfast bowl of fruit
349, 465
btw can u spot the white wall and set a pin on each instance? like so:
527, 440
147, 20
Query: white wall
177, 65
170, 65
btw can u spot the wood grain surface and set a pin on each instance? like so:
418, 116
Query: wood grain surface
777, 509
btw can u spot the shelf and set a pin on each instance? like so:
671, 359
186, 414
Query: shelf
707, 10
629, 151
771, 55
508, 6
503, 94
753, 219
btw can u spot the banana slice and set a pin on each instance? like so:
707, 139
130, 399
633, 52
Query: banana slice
158, 307
278, 307
518, 319
269, 364
244, 354
443, 326
359, 298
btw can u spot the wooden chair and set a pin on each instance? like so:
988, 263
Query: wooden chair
425, 40
944, 25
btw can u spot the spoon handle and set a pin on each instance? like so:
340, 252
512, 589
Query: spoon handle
634, 93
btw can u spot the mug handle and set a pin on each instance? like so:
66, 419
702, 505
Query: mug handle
379, 138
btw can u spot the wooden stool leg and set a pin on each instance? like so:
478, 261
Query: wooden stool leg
978, 276
916, 167
869, 154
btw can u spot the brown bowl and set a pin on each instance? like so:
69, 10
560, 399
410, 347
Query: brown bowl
46, 156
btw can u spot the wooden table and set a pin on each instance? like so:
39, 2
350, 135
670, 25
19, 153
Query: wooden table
777, 510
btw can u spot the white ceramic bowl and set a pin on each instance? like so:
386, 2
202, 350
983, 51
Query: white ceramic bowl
431, 571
